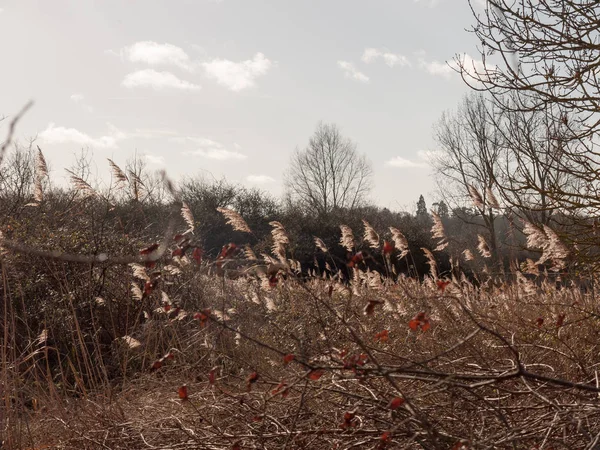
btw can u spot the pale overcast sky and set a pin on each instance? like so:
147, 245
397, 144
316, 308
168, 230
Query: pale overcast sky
232, 87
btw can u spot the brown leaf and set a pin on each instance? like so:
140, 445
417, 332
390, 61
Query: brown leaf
197, 254
382, 336
419, 321
388, 247
370, 308
395, 403
183, 393
252, 378
212, 375
148, 250
315, 374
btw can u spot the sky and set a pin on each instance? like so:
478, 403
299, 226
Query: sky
230, 88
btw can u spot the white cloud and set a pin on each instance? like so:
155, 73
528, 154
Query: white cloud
203, 142
155, 54
237, 76
424, 160
436, 68
153, 159
398, 161
60, 135
150, 78
79, 99
391, 59
260, 179
446, 69
351, 72
208, 148
219, 154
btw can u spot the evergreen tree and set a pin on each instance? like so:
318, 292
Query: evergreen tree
422, 208
442, 210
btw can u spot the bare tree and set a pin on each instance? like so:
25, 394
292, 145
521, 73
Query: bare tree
539, 167
547, 49
542, 56
469, 159
16, 179
329, 173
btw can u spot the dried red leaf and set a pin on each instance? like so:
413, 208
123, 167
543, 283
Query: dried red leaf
419, 321
414, 324
236, 446
561, 320
148, 287
349, 420
370, 308
443, 284
183, 393
156, 365
203, 316
150, 264
148, 250
197, 254
315, 374
355, 259
539, 321
288, 358
177, 252
227, 250
252, 378
169, 355
395, 403
273, 280
279, 388
382, 336
384, 440
388, 247
258, 418
460, 445
212, 375
353, 361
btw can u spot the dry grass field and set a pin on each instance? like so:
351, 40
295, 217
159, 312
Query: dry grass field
181, 352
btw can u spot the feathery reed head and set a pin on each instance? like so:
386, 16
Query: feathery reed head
235, 220
371, 235
475, 196
347, 239
400, 242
